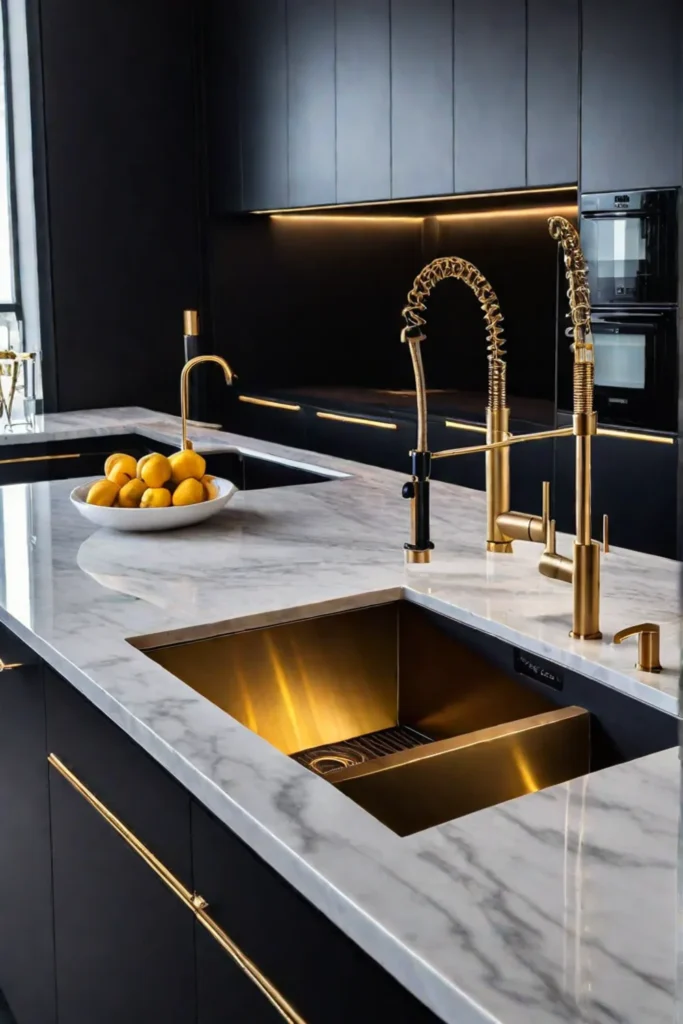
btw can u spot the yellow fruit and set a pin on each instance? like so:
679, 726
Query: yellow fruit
154, 469
131, 493
125, 463
155, 497
188, 492
186, 465
210, 488
103, 492
117, 476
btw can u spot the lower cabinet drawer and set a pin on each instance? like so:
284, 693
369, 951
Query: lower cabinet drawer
324, 976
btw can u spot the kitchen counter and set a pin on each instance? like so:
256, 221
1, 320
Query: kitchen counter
559, 906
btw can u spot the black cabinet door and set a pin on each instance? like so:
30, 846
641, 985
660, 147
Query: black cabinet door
421, 97
26, 946
552, 92
311, 102
124, 942
263, 102
490, 94
317, 969
222, 54
386, 445
631, 88
363, 100
464, 470
643, 520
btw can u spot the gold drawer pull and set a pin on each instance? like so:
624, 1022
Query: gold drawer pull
8, 666
193, 901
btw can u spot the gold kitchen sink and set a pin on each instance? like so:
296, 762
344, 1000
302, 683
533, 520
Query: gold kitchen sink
416, 718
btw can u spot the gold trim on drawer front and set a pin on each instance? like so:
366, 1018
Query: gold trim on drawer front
39, 458
359, 421
290, 407
456, 425
193, 901
8, 666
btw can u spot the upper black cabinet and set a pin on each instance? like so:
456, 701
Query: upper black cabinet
552, 92
421, 97
631, 123
490, 94
262, 29
311, 102
363, 100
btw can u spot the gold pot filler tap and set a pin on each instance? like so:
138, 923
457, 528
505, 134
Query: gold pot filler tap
503, 525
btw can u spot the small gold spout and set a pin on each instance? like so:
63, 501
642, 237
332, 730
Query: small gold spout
184, 387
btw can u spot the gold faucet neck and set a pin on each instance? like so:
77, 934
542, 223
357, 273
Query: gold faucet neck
185, 387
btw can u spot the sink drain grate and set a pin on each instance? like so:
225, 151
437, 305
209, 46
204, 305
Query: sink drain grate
333, 756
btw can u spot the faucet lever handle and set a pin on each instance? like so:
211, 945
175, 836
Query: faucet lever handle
648, 644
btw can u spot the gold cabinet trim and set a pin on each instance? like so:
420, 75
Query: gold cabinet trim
193, 901
8, 666
270, 403
39, 458
456, 425
359, 421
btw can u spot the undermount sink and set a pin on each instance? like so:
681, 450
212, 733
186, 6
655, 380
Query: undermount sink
417, 718
60, 460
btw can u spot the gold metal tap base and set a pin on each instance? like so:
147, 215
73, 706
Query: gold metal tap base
585, 636
418, 557
502, 547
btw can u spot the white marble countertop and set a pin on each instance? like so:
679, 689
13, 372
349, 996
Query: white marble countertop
559, 906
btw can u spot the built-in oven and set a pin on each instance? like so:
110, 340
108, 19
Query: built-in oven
630, 241
636, 368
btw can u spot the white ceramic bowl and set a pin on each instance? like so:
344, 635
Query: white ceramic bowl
146, 519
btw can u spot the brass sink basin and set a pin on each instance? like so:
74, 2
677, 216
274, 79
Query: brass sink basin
412, 716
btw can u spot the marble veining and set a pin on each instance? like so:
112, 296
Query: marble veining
559, 906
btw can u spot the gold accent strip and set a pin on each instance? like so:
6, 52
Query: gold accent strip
7, 667
192, 901
190, 322
422, 199
456, 425
290, 407
39, 458
338, 418
630, 435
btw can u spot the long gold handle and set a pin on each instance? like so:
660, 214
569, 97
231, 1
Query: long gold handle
193, 901
8, 666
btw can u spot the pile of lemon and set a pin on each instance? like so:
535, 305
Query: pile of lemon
153, 482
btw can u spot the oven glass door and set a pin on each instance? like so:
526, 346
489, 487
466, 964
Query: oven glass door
624, 263
636, 370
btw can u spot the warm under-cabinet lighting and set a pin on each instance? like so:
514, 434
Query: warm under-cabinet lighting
292, 211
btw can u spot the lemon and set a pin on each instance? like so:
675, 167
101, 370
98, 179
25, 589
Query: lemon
210, 488
126, 464
131, 493
117, 476
186, 465
103, 492
155, 497
188, 492
154, 469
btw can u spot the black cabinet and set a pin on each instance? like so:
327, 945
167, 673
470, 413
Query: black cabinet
634, 483
284, 422
631, 88
223, 107
263, 104
465, 470
421, 97
321, 972
490, 94
363, 100
311, 102
26, 946
124, 942
386, 442
552, 92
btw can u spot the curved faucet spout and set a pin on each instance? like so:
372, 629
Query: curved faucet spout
497, 413
185, 387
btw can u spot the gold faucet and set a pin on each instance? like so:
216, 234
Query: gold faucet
185, 387
503, 525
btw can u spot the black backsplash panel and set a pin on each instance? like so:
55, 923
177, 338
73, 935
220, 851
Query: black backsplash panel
316, 300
